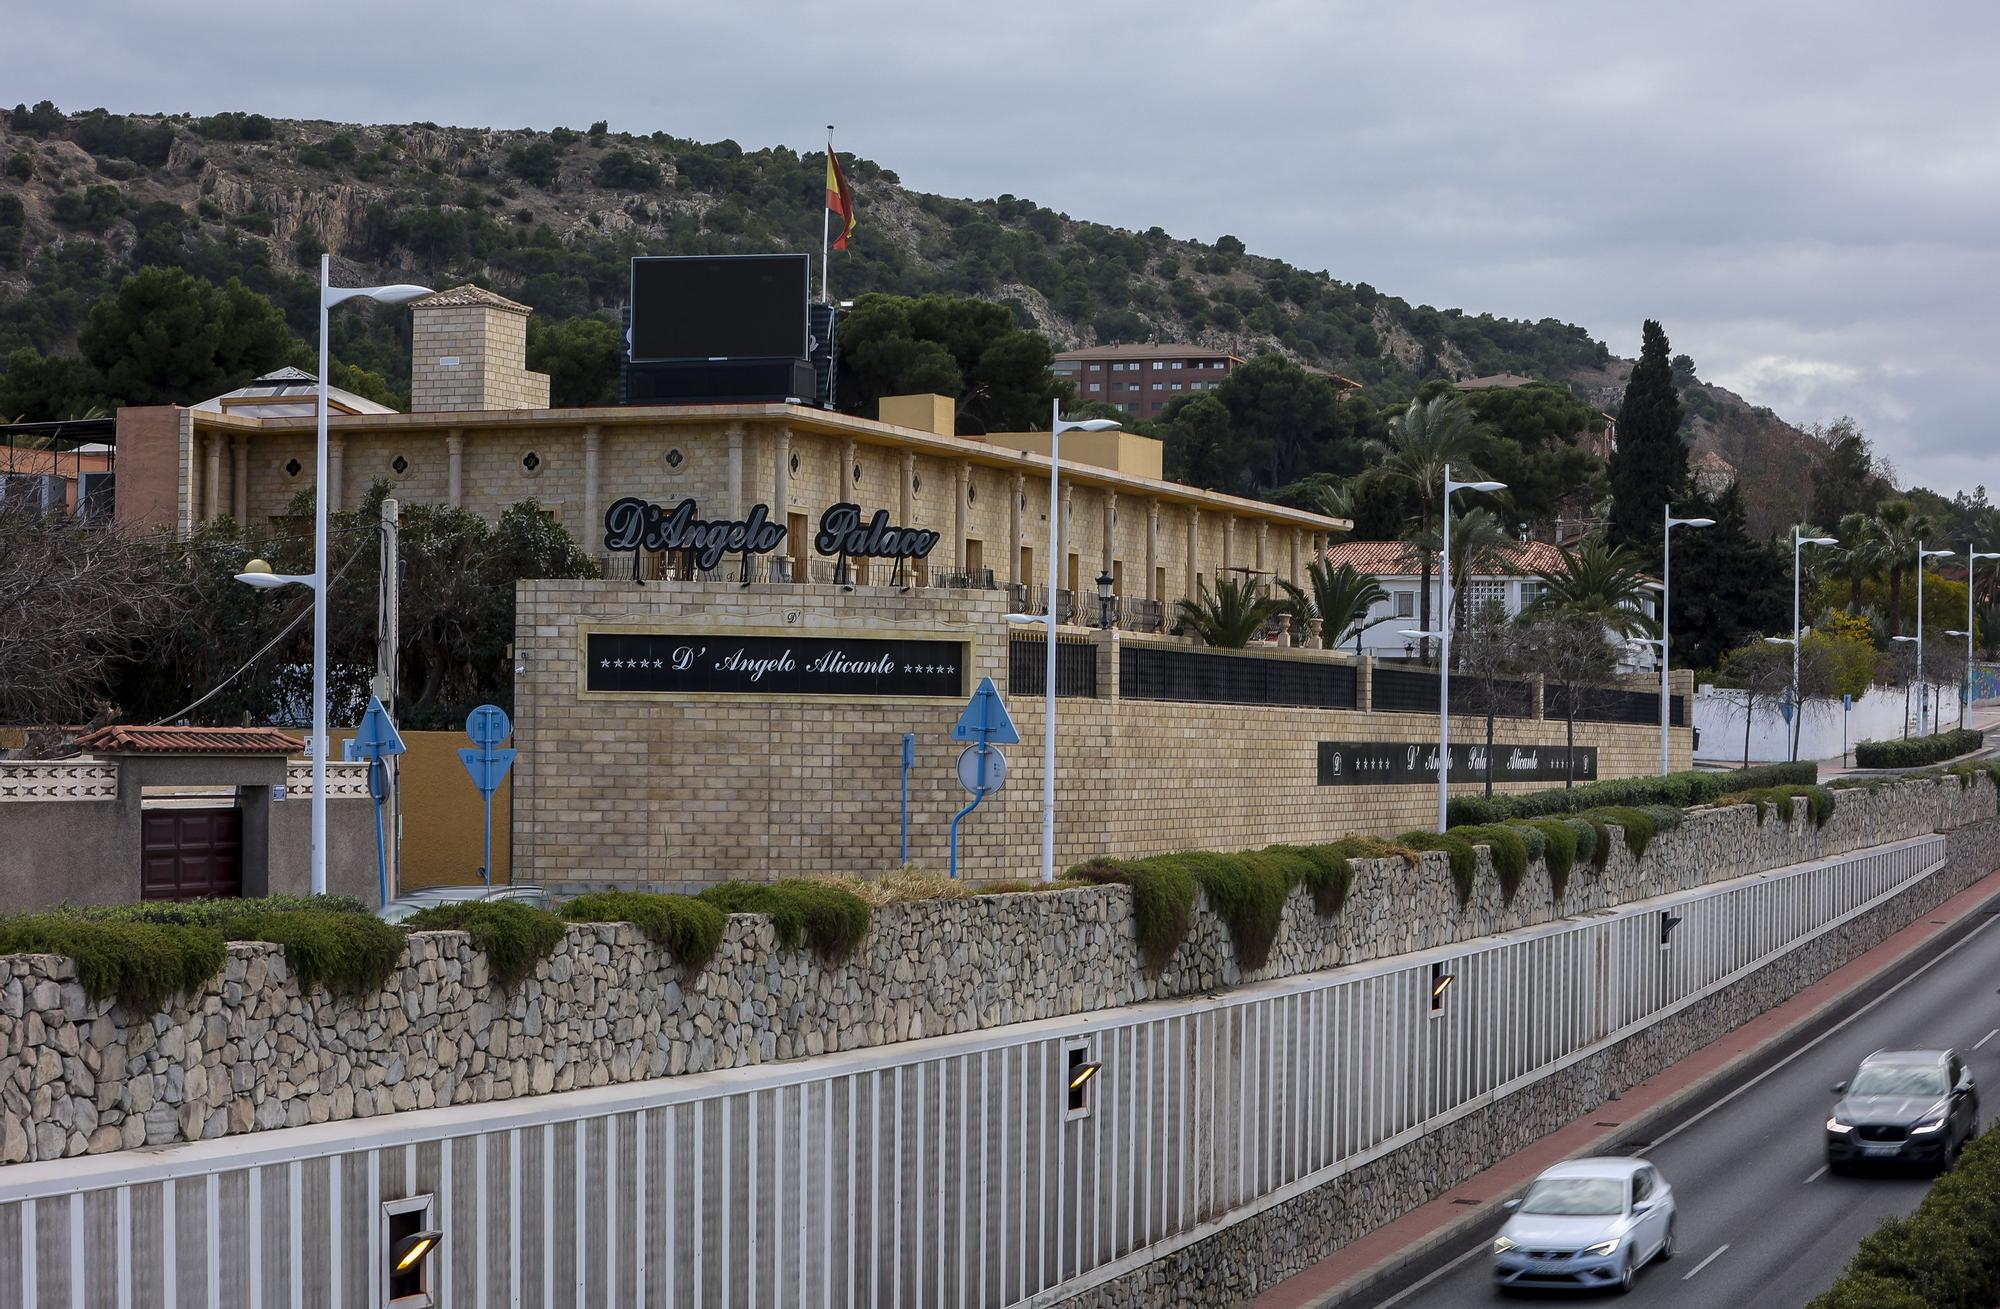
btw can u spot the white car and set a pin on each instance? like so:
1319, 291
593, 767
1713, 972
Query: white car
1588, 1223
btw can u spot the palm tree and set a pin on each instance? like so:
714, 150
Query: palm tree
1860, 557
1231, 615
1600, 582
1423, 440
1898, 530
1340, 598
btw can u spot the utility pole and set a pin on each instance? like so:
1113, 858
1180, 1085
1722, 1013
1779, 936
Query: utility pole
388, 641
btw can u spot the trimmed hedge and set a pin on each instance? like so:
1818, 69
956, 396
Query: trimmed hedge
1682, 790
830, 920
1562, 839
513, 937
1246, 889
144, 954
1509, 850
1778, 800
687, 928
1918, 750
1464, 860
1946, 1255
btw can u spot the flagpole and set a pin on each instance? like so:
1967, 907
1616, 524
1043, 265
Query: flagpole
825, 224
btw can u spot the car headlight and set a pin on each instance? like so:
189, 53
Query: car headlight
1603, 1247
1501, 1245
1835, 1125
1936, 1124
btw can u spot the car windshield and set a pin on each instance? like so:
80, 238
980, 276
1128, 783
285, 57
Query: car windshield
1575, 1196
1898, 1079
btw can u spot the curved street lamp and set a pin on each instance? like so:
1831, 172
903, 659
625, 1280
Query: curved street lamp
1798, 542
1444, 640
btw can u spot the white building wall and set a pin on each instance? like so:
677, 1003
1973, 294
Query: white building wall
1879, 715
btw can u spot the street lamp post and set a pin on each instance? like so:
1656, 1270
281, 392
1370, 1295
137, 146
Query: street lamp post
1444, 641
1972, 558
1923, 704
1799, 541
329, 296
1057, 426
1666, 596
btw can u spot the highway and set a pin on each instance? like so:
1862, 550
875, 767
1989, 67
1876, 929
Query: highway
1761, 1220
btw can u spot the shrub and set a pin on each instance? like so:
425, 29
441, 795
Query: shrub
1561, 839
513, 937
348, 954
1944, 1256
1918, 750
1325, 871
1032, 886
141, 965
1509, 852
1247, 891
1637, 825
1778, 799
218, 913
1600, 840
1464, 862
1162, 901
830, 920
683, 926
903, 886
1681, 790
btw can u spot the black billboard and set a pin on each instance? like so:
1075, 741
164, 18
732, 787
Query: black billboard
1399, 763
720, 307
670, 663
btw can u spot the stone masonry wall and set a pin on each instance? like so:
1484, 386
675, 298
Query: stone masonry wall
252, 1052
1236, 1264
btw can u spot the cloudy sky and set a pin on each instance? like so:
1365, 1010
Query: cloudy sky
1806, 194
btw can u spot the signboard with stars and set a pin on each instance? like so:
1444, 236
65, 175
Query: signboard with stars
730, 664
1391, 763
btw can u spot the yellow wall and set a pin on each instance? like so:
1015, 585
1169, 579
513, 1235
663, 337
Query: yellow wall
1121, 452
442, 816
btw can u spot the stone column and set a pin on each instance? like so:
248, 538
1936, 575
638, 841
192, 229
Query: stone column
1193, 551
1110, 528
962, 483
781, 474
1067, 539
1293, 537
1263, 547
1015, 496
454, 477
336, 450
735, 435
211, 492
906, 499
1228, 546
843, 485
593, 512
1153, 551
239, 478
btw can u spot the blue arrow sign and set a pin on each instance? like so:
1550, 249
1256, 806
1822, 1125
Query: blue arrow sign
488, 727
986, 720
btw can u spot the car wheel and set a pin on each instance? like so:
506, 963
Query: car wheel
1667, 1246
1627, 1276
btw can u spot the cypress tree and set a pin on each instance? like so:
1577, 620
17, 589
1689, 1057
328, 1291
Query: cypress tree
1650, 466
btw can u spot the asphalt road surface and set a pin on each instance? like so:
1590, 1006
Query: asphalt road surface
1762, 1222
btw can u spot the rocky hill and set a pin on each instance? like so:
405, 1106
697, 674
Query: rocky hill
551, 218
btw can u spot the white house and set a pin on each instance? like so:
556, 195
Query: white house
1398, 569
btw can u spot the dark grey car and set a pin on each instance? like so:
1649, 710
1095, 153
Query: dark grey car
1903, 1107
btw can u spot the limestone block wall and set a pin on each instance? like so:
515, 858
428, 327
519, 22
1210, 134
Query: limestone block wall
676, 792
252, 1051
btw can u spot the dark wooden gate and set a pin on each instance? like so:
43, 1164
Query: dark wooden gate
189, 854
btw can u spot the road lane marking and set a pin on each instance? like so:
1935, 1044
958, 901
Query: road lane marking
1818, 1173
1415, 1287
1989, 1036
1704, 1263
1925, 967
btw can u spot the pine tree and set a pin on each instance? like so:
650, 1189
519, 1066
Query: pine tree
1728, 587
1649, 469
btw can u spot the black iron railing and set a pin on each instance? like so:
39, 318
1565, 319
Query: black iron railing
1148, 672
1027, 666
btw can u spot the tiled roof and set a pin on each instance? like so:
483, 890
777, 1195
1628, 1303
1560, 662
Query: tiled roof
1397, 559
288, 393
469, 295
189, 740
1149, 350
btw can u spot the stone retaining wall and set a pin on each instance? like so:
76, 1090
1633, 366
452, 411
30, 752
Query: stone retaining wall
252, 1052
1236, 1264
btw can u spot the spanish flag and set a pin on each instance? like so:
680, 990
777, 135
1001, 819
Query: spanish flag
839, 199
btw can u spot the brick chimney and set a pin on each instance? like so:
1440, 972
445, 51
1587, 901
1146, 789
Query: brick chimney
470, 352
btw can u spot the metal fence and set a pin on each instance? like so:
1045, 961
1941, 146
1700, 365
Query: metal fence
952, 1171
1152, 672
1602, 704
1076, 665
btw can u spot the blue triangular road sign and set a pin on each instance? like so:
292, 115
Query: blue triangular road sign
486, 767
986, 718
377, 736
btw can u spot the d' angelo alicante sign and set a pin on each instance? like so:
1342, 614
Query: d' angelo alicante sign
711, 662
1396, 763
